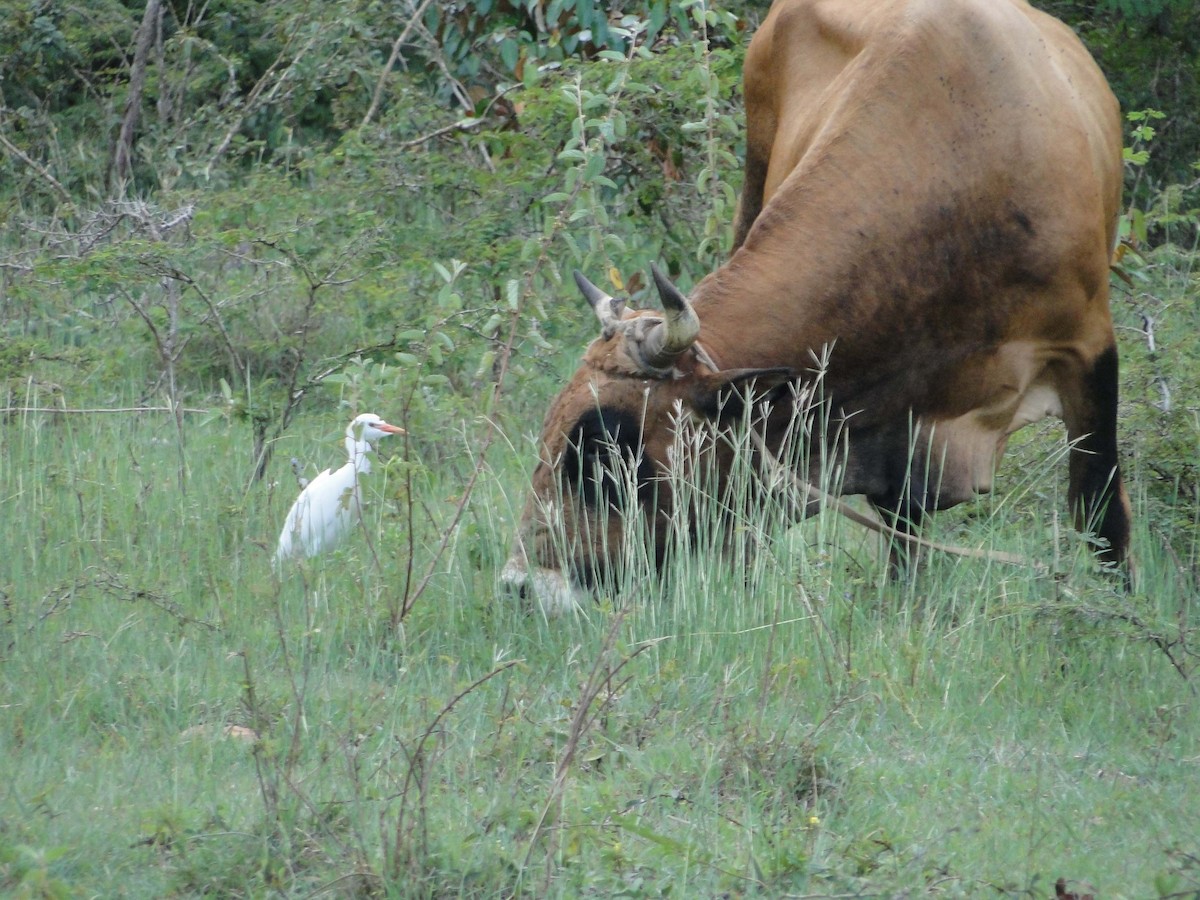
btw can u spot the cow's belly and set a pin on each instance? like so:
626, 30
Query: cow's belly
970, 446
951, 455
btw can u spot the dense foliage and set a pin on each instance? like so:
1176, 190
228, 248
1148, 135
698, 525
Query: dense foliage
267, 81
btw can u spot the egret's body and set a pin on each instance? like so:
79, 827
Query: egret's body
329, 505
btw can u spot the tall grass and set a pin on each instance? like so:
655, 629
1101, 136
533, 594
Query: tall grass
782, 718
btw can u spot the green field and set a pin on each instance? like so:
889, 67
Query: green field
177, 719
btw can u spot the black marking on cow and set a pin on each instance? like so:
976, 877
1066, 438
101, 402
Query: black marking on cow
1023, 221
910, 487
1095, 464
602, 447
750, 203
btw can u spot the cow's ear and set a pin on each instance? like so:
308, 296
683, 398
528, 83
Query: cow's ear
724, 395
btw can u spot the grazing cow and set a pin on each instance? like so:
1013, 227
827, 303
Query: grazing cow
931, 198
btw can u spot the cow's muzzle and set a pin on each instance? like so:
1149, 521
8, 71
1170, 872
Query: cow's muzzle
546, 589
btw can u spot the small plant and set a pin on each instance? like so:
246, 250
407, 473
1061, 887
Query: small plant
25, 872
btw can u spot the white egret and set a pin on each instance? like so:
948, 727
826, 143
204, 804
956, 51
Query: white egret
329, 505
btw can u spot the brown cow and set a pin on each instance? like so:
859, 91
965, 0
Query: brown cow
931, 197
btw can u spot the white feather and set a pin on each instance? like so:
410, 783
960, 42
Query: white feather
329, 506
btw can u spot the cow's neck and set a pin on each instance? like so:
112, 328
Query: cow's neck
750, 316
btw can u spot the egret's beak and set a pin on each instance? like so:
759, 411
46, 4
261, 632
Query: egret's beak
390, 429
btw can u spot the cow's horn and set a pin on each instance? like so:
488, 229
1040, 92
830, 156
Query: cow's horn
607, 310
678, 331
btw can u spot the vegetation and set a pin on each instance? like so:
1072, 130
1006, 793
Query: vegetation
228, 225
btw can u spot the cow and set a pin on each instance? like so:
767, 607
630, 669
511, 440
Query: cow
930, 205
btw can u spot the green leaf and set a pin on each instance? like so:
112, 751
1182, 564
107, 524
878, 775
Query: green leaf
485, 364
510, 53
594, 166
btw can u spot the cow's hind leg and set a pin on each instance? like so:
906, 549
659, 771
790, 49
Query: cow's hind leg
903, 556
913, 472
1097, 495
903, 511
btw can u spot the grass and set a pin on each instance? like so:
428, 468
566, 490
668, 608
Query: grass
179, 722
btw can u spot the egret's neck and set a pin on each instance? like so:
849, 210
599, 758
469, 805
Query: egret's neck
360, 455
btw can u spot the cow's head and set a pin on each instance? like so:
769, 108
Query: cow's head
609, 440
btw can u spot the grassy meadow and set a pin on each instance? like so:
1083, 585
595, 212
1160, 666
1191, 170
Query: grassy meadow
179, 721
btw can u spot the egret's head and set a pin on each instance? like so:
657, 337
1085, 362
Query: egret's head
368, 428
362, 434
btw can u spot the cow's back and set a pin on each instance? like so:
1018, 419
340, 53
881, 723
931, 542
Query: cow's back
967, 86
932, 190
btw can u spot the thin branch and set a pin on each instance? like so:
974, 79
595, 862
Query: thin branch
447, 534
1159, 640
122, 156
387, 68
235, 359
416, 759
456, 87
460, 125
251, 103
586, 713
41, 170
8, 410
